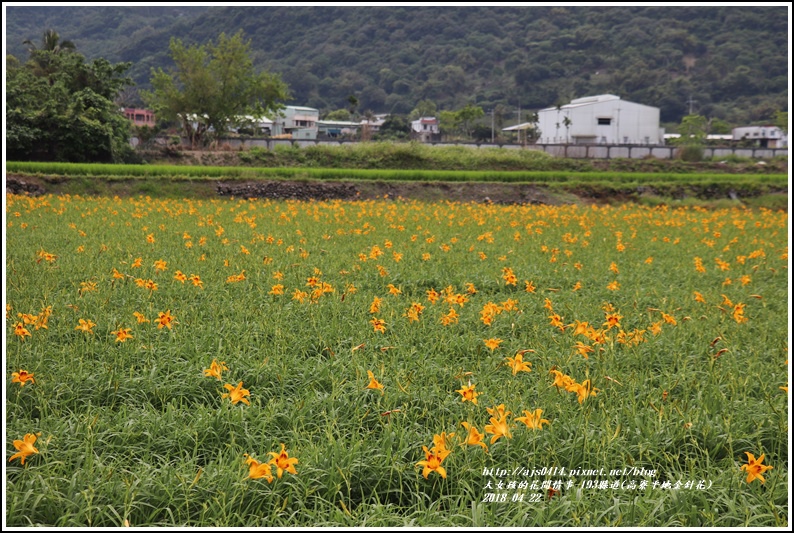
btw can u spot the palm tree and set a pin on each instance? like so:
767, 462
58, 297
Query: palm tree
51, 42
353, 101
42, 58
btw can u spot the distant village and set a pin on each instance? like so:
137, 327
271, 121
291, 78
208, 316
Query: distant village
594, 120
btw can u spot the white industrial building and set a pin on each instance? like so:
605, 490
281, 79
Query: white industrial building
763, 136
602, 119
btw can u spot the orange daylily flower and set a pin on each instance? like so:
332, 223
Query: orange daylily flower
165, 320
474, 437
440, 442
85, 325
699, 297
236, 394
216, 369
450, 318
393, 290
122, 334
468, 393
498, 426
754, 468
493, 344
432, 462
584, 390
533, 420
21, 331
738, 313
374, 383
259, 470
283, 462
518, 365
613, 320
583, 349
22, 377
378, 325
25, 448
561, 380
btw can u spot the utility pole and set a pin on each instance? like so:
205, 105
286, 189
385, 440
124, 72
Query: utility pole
492, 126
690, 101
518, 122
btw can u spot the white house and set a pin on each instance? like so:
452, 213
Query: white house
425, 129
602, 119
764, 136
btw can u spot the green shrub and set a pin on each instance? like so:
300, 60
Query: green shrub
691, 153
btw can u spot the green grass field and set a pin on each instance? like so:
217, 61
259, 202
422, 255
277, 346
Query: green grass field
664, 329
547, 177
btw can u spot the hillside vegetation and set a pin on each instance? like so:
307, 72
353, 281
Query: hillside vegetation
726, 62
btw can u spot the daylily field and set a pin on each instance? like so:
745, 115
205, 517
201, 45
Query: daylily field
394, 363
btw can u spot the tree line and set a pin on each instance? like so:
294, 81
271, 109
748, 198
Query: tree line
62, 107
724, 62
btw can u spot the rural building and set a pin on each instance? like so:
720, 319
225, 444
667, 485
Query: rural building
522, 131
762, 136
139, 117
712, 138
425, 129
337, 128
298, 122
255, 126
603, 119
373, 125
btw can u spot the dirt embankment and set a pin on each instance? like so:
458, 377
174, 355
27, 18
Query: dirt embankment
499, 193
328, 190
305, 189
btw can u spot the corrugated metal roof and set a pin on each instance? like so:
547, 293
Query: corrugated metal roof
341, 123
522, 126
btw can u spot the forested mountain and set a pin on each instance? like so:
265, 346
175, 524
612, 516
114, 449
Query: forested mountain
722, 62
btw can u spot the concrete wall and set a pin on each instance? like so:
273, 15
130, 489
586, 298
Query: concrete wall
579, 151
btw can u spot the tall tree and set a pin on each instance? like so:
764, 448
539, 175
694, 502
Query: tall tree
353, 101
51, 45
51, 42
425, 108
781, 120
467, 116
394, 128
693, 129
66, 111
212, 86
